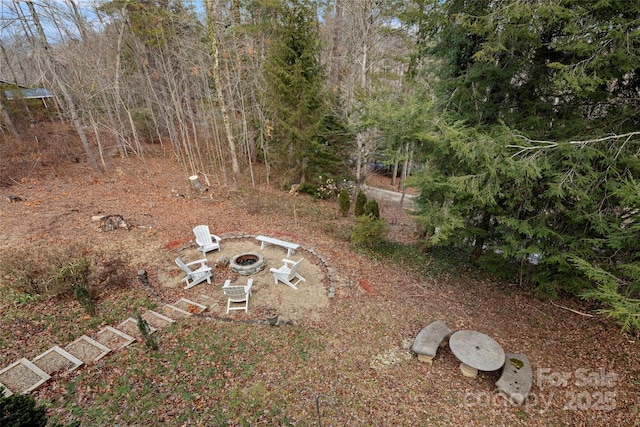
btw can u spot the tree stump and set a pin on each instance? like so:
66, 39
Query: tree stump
196, 185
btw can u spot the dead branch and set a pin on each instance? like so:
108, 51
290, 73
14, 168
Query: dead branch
572, 310
552, 144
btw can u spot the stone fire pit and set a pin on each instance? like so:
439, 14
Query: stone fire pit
246, 264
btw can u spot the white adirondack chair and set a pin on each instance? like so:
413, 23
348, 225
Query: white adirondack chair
288, 273
206, 241
237, 295
194, 277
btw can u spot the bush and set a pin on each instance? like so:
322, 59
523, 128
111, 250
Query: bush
345, 202
84, 297
52, 271
308, 188
147, 334
369, 231
75, 275
327, 189
33, 270
21, 411
372, 208
361, 200
619, 298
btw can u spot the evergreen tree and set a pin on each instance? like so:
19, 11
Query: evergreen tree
146, 332
21, 411
369, 231
309, 141
344, 201
361, 200
372, 209
533, 155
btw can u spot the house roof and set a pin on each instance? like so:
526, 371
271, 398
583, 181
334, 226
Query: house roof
6, 82
37, 93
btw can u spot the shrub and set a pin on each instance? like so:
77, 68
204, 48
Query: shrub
53, 271
328, 189
21, 411
145, 331
33, 270
74, 273
372, 208
84, 297
369, 231
345, 202
308, 188
361, 200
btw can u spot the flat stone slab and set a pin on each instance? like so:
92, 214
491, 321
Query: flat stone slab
173, 312
429, 339
192, 307
517, 378
130, 327
22, 377
114, 339
477, 350
157, 320
56, 359
87, 349
206, 301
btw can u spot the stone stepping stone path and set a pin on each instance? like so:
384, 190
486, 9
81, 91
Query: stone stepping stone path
87, 349
130, 327
114, 339
24, 376
57, 359
157, 320
189, 306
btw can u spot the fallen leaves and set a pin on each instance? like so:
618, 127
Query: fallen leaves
354, 352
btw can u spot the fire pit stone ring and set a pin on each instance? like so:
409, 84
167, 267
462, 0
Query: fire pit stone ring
246, 264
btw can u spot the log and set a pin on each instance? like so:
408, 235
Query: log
110, 222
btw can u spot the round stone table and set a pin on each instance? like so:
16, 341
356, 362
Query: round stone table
476, 352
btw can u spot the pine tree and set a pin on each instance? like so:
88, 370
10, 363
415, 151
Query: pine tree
369, 231
146, 332
372, 208
533, 149
361, 200
21, 411
344, 201
310, 141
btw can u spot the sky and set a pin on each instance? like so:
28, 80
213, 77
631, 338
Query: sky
52, 19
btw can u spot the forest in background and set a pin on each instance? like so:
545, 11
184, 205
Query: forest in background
518, 119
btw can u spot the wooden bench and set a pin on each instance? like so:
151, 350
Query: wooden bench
429, 339
291, 247
517, 378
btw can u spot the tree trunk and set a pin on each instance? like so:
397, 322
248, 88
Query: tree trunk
7, 121
54, 66
218, 81
360, 148
336, 49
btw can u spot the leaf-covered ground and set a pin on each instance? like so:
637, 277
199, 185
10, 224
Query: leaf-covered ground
348, 356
